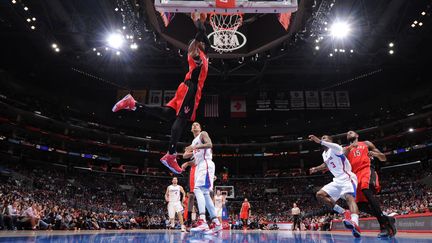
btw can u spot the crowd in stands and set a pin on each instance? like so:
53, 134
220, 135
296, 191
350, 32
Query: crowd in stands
58, 198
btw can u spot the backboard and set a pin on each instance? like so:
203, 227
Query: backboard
241, 6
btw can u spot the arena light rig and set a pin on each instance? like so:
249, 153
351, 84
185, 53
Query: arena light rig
340, 30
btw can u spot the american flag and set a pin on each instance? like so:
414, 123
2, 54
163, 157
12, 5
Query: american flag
211, 107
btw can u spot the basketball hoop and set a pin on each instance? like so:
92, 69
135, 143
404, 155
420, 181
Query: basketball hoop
225, 35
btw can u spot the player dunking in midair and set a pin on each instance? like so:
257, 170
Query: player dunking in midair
187, 97
344, 183
201, 151
359, 155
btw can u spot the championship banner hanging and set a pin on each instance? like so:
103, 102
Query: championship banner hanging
264, 102
281, 102
342, 99
328, 100
297, 100
155, 98
312, 100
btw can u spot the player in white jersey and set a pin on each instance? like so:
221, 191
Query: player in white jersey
201, 151
219, 201
344, 184
172, 196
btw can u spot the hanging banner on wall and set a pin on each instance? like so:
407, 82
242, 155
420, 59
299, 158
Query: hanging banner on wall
155, 98
342, 99
297, 100
281, 102
328, 100
312, 100
264, 102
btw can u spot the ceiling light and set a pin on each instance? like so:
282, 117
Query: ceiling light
54, 45
115, 40
57, 49
98, 53
134, 46
340, 30
420, 23
411, 129
34, 19
94, 49
118, 53
317, 48
391, 44
423, 13
25, 8
28, 20
391, 52
32, 27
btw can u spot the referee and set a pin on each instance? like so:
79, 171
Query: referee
295, 211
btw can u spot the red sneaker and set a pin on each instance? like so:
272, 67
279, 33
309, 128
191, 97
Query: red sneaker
349, 224
214, 228
170, 161
201, 226
127, 103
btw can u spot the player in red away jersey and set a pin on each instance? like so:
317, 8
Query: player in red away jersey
244, 213
359, 153
187, 97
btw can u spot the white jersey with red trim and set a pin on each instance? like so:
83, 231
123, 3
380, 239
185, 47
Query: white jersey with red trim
201, 155
338, 165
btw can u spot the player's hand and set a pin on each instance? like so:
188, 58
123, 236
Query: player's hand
314, 139
190, 148
373, 154
184, 166
313, 170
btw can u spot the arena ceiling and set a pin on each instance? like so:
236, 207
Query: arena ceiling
79, 30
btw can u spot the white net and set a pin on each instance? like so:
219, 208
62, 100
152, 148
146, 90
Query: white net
225, 32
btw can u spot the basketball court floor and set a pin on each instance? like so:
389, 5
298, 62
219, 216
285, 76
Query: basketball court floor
177, 236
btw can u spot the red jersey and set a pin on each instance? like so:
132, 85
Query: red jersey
177, 101
359, 157
244, 208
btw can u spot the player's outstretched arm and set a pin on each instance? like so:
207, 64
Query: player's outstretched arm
334, 146
373, 151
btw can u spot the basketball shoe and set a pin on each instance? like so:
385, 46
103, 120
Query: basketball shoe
214, 228
201, 226
127, 103
351, 225
170, 161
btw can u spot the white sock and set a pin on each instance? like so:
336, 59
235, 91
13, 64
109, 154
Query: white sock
202, 216
355, 218
338, 209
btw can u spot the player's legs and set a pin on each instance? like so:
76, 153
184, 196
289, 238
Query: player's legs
368, 185
329, 194
171, 214
191, 202
176, 132
202, 224
219, 214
